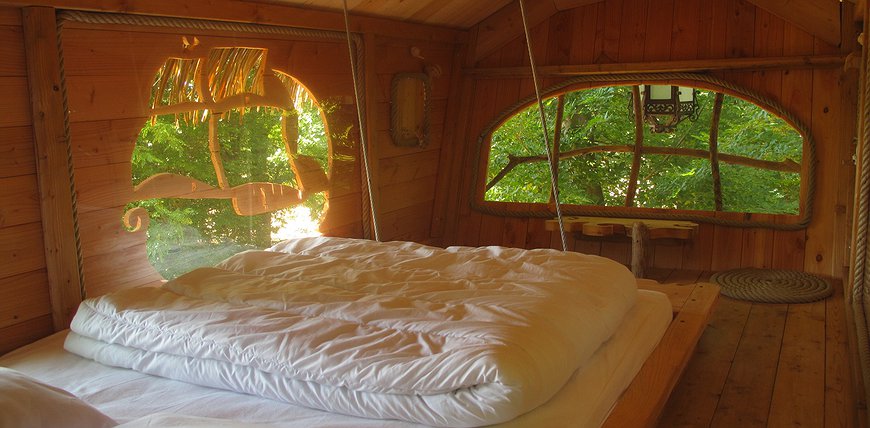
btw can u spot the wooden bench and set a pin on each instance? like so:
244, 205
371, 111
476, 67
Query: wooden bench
639, 230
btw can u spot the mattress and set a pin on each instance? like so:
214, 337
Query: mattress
448, 337
138, 399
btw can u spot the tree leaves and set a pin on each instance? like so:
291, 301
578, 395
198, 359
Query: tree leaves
603, 116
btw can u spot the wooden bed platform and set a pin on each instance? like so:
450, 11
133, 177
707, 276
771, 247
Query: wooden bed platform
642, 403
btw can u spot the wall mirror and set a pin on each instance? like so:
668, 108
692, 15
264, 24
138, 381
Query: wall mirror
651, 149
410, 102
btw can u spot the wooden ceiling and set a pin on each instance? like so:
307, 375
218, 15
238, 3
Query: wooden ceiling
819, 17
450, 13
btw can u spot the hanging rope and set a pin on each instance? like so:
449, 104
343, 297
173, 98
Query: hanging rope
362, 129
550, 157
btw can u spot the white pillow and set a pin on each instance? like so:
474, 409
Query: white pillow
26, 402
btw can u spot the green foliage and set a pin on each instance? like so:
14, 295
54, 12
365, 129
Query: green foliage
604, 117
186, 233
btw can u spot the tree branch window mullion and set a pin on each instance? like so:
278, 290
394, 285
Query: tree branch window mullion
557, 139
714, 150
638, 146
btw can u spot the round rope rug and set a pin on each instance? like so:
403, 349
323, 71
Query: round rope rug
772, 286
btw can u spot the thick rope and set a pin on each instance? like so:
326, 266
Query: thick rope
546, 133
197, 24
860, 279
772, 285
70, 168
362, 127
714, 83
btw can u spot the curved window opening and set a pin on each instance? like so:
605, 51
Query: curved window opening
726, 154
235, 157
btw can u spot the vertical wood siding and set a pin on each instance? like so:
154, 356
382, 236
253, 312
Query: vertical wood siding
109, 71
25, 309
635, 31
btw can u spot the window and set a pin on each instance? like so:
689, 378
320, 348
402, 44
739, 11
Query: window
235, 157
611, 154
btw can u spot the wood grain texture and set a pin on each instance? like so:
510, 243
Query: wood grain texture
619, 35
798, 396
16, 152
265, 12
660, 373
21, 249
18, 335
820, 18
19, 202
53, 163
24, 297
746, 397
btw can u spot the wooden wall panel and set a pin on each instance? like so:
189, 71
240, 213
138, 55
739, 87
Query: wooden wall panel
25, 307
109, 72
16, 151
19, 200
641, 30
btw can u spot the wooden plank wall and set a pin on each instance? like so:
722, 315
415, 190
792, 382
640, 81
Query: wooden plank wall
25, 308
616, 31
109, 70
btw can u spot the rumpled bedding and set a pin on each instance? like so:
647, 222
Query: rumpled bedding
444, 337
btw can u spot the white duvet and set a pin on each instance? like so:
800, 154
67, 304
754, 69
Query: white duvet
445, 337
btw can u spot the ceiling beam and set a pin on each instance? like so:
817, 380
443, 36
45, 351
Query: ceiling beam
821, 18
505, 25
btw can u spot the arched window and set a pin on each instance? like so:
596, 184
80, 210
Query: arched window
234, 157
620, 152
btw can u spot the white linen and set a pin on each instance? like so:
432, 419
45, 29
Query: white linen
26, 402
139, 399
455, 337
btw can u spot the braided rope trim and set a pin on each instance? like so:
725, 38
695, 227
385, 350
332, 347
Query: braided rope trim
772, 286
198, 24
860, 281
70, 166
700, 80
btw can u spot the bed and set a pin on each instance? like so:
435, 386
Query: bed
465, 329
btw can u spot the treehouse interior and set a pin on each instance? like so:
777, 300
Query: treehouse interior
423, 109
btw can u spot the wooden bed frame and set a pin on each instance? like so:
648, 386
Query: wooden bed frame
642, 403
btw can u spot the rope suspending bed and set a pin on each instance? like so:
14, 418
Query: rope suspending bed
546, 133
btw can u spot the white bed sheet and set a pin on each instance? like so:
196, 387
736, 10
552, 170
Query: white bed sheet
143, 400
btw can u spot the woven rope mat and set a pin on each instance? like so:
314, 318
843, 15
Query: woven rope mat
772, 286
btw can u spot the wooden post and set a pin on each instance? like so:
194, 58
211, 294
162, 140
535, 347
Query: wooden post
639, 239
53, 163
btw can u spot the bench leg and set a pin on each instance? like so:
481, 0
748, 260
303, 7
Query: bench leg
639, 238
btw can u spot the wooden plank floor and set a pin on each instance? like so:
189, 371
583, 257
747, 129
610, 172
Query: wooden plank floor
763, 365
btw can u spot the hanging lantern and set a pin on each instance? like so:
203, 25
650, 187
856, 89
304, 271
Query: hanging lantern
665, 106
